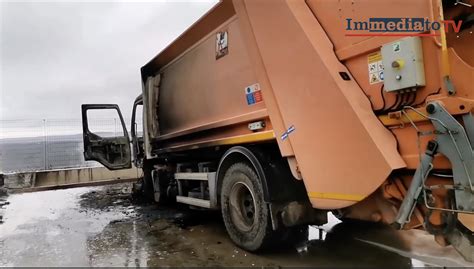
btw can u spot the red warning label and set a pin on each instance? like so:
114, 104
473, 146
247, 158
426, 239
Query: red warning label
258, 96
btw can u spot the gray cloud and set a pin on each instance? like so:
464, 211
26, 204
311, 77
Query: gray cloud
57, 55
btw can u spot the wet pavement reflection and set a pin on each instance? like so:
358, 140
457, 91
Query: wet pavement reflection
102, 226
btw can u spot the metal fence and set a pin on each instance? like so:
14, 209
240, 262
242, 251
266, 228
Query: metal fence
47, 144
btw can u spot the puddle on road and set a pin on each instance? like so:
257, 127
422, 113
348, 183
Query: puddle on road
102, 227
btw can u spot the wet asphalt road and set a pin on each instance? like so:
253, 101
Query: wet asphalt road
102, 226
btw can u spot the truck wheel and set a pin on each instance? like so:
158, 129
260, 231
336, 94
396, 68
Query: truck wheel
246, 216
160, 192
147, 184
141, 189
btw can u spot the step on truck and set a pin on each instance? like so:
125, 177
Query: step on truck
278, 112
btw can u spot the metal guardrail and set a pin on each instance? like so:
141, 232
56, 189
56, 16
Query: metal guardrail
49, 144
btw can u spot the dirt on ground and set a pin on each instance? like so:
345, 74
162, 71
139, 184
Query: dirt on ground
105, 226
176, 235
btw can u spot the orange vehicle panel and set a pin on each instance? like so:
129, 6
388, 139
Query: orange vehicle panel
197, 89
343, 151
323, 124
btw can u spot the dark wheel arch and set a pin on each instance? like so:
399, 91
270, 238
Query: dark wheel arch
278, 183
241, 154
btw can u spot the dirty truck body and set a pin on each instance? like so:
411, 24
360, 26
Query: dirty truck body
271, 112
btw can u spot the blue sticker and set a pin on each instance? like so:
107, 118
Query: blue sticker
291, 129
288, 132
250, 99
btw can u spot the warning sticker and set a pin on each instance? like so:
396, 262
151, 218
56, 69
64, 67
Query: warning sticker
375, 67
253, 94
222, 44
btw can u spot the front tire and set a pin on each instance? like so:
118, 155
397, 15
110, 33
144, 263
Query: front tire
246, 215
147, 184
143, 189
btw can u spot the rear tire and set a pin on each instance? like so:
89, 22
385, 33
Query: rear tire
246, 215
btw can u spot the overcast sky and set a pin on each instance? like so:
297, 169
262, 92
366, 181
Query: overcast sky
55, 56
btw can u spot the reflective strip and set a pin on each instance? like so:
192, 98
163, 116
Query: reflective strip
336, 196
256, 137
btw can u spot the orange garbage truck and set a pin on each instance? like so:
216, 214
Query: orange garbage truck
278, 112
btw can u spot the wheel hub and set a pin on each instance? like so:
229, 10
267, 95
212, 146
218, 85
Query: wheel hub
242, 206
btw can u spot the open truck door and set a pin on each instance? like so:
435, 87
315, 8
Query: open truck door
136, 131
110, 148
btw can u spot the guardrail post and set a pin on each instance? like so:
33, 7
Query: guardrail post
45, 145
